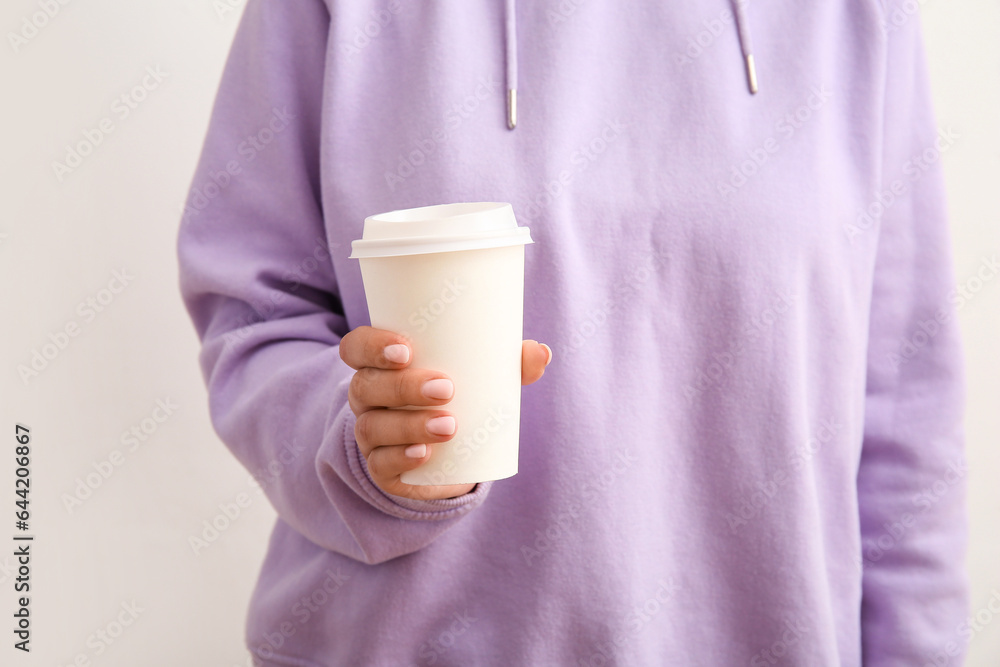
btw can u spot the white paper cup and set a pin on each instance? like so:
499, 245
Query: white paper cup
451, 279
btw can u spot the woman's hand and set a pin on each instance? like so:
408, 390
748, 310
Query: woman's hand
394, 441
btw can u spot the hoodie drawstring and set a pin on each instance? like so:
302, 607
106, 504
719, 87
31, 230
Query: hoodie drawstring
510, 59
743, 28
510, 62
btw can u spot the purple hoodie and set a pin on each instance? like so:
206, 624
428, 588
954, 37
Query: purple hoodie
748, 447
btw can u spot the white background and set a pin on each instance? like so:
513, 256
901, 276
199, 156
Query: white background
60, 243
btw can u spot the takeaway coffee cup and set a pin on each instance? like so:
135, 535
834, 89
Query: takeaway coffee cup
450, 278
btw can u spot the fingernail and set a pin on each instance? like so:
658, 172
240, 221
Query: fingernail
441, 425
548, 350
439, 389
416, 451
398, 354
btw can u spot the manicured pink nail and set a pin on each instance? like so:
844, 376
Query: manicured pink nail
548, 351
398, 354
439, 389
441, 425
416, 451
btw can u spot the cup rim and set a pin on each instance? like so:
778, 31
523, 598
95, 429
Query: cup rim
466, 226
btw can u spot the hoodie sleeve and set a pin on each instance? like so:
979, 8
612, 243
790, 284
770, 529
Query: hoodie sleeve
257, 280
911, 481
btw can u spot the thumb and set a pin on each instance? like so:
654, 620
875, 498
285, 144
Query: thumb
535, 357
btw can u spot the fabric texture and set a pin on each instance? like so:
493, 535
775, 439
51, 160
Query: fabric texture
748, 446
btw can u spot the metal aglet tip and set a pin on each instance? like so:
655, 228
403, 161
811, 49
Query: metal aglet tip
512, 108
751, 74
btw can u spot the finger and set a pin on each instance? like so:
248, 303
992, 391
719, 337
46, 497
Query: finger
367, 347
535, 357
386, 464
378, 428
377, 388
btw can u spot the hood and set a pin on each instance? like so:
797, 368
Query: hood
510, 53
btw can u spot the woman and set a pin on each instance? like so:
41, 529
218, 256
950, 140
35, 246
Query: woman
741, 267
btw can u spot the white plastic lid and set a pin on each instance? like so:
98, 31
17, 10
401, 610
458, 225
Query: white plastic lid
441, 228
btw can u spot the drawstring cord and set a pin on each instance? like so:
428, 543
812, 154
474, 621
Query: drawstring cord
510, 54
511, 62
743, 28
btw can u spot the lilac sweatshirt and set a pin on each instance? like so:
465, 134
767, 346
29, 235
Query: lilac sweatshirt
748, 447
